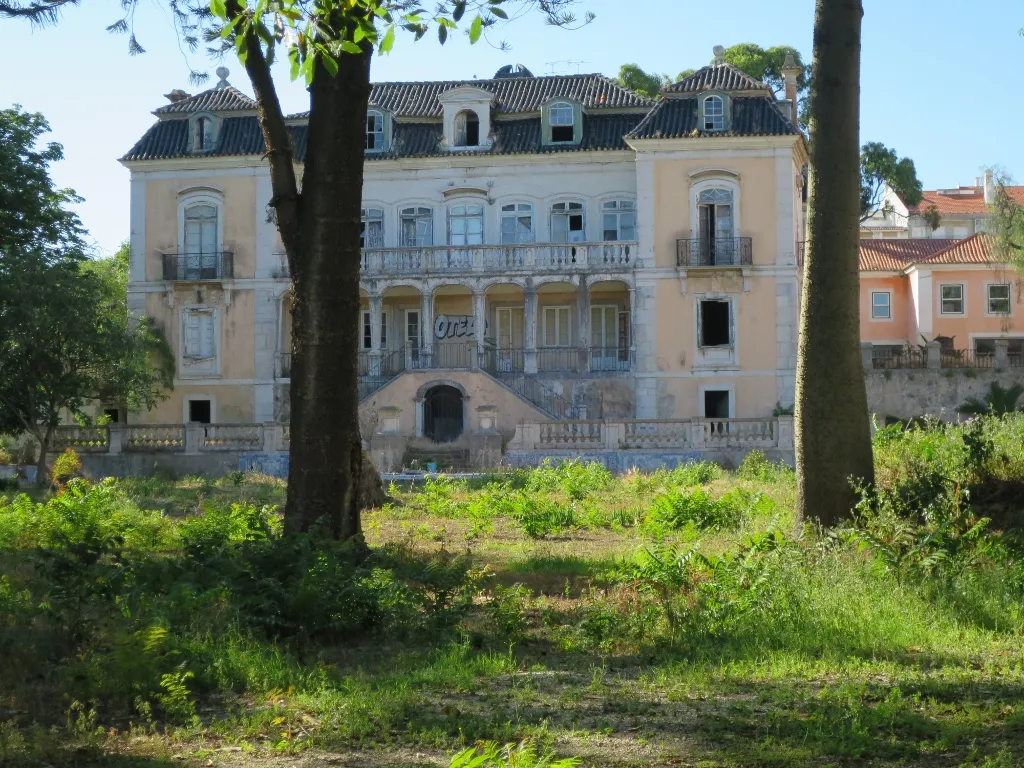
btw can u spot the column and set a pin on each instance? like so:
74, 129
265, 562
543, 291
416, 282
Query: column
479, 324
376, 310
426, 326
583, 307
632, 338
934, 354
530, 329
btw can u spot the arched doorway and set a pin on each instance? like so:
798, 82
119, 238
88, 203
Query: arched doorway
442, 414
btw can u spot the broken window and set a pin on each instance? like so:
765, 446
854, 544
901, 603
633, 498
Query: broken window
716, 404
467, 129
200, 411
561, 116
715, 323
567, 223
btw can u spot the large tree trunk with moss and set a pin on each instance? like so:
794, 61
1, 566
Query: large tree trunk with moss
320, 231
833, 438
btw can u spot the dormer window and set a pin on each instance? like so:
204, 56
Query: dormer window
714, 113
203, 133
467, 129
374, 131
563, 127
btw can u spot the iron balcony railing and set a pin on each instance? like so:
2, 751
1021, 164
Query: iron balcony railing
194, 267
714, 252
391, 364
608, 359
558, 359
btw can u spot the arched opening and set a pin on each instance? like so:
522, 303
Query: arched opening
443, 414
467, 129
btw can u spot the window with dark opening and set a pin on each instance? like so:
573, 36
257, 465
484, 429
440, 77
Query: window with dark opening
199, 411
367, 337
716, 404
112, 414
562, 118
714, 324
467, 129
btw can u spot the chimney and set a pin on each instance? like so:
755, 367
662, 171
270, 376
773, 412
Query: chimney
719, 52
790, 71
990, 187
977, 181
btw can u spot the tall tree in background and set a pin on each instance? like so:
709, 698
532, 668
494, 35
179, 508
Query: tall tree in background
1006, 224
881, 167
833, 438
65, 338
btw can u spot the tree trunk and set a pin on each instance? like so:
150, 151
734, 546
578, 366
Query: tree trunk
326, 450
42, 476
833, 438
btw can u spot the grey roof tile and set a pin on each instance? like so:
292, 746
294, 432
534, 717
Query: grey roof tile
751, 116
717, 77
225, 98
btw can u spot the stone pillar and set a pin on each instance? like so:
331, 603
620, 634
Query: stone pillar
632, 338
387, 445
583, 310
867, 355
530, 330
934, 354
419, 417
784, 437
697, 434
1002, 353
376, 310
195, 434
479, 325
115, 438
426, 327
485, 442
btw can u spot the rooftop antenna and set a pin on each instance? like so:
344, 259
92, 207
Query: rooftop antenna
563, 67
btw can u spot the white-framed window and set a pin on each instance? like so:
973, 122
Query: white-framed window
951, 299
714, 113
199, 409
714, 323
466, 224
371, 233
717, 402
366, 333
881, 308
199, 335
716, 228
562, 117
619, 220
998, 298
467, 129
204, 133
556, 328
200, 229
567, 223
517, 223
416, 226
374, 131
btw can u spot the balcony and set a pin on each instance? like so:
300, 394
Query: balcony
714, 252
501, 259
198, 267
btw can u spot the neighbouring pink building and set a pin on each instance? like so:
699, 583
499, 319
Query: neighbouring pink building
955, 292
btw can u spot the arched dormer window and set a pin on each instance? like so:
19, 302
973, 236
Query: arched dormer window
375, 134
467, 129
714, 113
561, 123
203, 130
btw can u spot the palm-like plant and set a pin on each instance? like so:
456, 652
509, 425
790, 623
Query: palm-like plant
997, 402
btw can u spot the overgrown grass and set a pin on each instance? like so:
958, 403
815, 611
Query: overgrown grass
677, 617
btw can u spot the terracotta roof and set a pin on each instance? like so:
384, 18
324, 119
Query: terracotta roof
897, 255
223, 98
717, 77
750, 116
963, 200
511, 94
976, 249
242, 136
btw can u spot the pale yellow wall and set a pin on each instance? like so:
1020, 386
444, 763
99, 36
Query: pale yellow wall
239, 220
233, 404
753, 397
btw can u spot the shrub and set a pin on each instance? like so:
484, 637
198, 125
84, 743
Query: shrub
65, 467
756, 467
575, 478
695, 473
678, 508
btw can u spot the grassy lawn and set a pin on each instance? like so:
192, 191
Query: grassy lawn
681, 618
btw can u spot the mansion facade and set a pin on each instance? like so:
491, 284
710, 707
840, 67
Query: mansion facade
534, 249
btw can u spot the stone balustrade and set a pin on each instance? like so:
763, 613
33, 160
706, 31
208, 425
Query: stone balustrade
173, 438
655, 434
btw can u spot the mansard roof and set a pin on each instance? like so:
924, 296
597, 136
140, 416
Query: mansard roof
222, 98
750, 116
511, 94
717, 77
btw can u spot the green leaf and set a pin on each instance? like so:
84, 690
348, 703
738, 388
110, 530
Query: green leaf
296, 66
460, 9
347, 46
219, 8
498, 12
388, 41
442, 33
330, 64
476, 28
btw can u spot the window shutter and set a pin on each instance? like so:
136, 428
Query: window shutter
563, 326
206, 323
191, 340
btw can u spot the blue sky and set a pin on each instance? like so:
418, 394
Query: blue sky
940, 79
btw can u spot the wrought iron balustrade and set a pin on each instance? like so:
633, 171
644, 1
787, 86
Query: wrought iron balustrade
714, 252
194, 267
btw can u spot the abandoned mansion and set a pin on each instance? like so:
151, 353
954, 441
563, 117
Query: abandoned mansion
535, 250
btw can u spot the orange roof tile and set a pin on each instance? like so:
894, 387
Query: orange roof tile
897, 255
976, 249
963, 200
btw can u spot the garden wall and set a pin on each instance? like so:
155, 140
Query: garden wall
906, 393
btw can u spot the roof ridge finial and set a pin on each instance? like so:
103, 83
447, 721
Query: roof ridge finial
222, 73
719, 52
